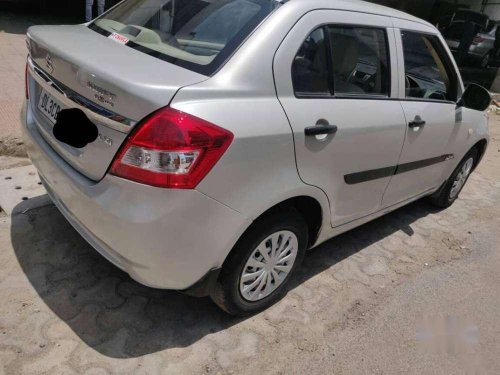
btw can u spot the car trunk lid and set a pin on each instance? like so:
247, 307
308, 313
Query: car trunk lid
115, 86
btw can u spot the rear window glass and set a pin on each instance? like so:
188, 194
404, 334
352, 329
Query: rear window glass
196, 34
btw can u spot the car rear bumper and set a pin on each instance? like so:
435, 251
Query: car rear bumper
163, 238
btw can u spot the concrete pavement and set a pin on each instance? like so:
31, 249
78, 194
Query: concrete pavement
17, 185
13, 56
13, 52
413, 292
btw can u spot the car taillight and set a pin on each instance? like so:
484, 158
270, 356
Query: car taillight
171, 149
478, 39
26, 82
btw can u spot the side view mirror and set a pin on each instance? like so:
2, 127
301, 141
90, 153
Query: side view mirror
475, 97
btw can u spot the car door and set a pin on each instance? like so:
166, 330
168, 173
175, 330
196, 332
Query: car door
336, 78
429, 91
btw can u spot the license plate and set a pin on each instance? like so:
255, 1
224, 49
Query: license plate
49, 106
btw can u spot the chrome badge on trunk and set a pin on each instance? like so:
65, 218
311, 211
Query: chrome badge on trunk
101, 94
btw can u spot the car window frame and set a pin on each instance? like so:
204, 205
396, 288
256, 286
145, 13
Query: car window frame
331, 83
442, 52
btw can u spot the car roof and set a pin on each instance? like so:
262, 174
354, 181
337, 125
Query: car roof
360, 6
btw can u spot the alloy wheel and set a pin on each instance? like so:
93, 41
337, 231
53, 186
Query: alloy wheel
461, 178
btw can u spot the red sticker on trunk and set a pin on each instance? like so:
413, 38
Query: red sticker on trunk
119, 38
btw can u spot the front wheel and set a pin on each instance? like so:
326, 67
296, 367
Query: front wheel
446, 196
258, 270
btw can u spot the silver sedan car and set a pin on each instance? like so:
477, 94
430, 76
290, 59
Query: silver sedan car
205, 145
481, 50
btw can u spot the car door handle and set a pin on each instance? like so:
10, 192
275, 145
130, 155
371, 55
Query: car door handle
320, 130
416, 123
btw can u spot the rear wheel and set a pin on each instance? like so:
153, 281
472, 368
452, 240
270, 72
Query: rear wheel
447, 195
258, 270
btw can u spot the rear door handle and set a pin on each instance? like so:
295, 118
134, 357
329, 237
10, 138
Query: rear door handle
416, 123
320, 130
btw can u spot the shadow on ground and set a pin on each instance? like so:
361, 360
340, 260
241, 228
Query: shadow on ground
119, 317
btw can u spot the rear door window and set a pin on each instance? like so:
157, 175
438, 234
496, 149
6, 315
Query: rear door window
360, 61
195, 34
310, 67
343, 61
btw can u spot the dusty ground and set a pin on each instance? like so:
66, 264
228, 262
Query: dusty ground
415, 292
13, 54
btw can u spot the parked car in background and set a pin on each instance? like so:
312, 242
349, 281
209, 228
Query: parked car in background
477, 18
204, 146
482, 47
481, 51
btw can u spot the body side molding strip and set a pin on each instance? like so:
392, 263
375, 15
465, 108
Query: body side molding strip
374, 174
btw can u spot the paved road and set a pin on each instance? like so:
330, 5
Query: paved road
13, 56
415, 292
13, 52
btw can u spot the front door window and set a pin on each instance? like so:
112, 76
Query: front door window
427, 75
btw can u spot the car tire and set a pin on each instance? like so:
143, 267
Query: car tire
451, 189
231, 293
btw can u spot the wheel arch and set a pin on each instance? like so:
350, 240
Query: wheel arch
309, 208
314, 213
480, 146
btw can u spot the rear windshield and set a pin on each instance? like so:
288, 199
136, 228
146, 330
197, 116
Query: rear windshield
196, 34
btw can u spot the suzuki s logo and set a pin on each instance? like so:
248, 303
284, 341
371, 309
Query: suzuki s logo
49, 64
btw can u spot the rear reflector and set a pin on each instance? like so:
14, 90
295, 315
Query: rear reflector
171, 149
